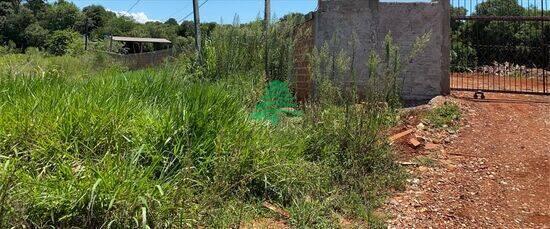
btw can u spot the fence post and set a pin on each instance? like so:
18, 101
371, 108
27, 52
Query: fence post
87, 34
544, 49
446, 48
267, 17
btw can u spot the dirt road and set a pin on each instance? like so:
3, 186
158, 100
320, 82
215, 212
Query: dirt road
495, 173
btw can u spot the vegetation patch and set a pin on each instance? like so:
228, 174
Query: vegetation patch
444, 116
84, 143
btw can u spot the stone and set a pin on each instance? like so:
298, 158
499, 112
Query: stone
414, 143
437, 101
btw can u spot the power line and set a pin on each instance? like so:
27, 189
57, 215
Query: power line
182, 9
183, 19
135, 4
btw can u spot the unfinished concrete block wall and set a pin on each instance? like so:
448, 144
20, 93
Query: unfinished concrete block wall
428, 74
365, 23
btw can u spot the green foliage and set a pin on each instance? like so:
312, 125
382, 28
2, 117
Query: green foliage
463, 57
176, 147
444, 116
62, 15
34, 62
518, 43
346, 119
234, 48
36, 35
339, 82
63, 42
96, 16
4, 50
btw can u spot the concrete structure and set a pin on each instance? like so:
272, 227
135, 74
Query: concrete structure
369, 21
144, 60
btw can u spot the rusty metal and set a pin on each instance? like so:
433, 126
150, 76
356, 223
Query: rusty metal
502, 18
493, 62
545, 49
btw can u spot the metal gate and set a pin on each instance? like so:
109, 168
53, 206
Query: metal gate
500, 46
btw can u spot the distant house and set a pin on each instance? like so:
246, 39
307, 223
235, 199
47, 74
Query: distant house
139, 52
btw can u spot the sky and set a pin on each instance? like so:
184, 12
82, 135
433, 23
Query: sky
211, 11
220, 10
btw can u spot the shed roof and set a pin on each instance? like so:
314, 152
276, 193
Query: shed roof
141, 39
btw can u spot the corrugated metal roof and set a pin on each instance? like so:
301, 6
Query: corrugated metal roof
141, 39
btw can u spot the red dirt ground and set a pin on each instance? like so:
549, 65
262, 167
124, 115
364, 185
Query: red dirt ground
494, 173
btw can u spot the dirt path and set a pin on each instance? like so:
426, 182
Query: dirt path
494, 174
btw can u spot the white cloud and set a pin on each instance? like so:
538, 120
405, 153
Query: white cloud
140, 17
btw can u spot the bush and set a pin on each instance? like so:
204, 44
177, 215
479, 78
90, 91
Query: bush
35, 35
4, 50
463, 57
63, 42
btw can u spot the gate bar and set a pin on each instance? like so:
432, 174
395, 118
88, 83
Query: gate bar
502, 18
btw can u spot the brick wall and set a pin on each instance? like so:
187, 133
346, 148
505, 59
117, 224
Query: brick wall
303, 85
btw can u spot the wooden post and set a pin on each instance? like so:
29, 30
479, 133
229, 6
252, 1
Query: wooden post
111, 44
267, 17
87, 34
197, 28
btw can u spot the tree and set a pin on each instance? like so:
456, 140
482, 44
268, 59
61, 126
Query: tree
96, 15
38, 7
16, 23
171, 21
186, 29
62, 15
6, 11
35, 35
59, 42
456, 12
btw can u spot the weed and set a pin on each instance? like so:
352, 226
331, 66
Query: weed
425, 161
445, 116
176, 146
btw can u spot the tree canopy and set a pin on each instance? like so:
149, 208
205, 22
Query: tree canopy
37, 23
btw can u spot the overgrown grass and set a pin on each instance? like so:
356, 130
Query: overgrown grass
149, 148
177, 147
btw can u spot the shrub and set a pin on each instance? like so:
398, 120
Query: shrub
62, 42
35, 35
4, 50
463, 57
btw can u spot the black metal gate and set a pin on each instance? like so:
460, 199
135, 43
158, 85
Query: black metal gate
500, 46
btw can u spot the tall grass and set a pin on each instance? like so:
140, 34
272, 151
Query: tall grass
176, 146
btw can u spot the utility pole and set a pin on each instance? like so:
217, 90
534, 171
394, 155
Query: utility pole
87, 34
197, 28
267, 17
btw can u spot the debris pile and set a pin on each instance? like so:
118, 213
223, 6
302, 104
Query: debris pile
509, 69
